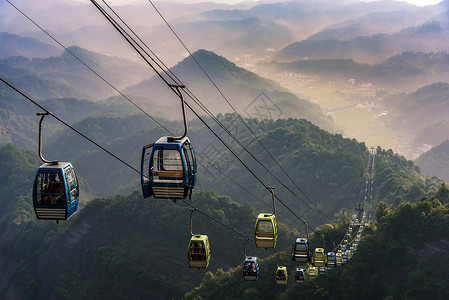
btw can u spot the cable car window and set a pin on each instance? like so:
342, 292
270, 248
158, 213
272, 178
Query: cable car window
301, 247
197, 251
265, 227
167, 160
71, 184
50, 188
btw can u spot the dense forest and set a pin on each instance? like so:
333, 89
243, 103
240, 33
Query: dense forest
403, 254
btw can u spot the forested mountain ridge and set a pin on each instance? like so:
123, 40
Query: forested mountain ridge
118, 247
407, 71
373, 48
404, 253
70, 72
245, 91
14, 45
435, 161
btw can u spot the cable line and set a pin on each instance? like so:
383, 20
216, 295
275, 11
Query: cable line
69, 126
235, 111
131, 41
87, 66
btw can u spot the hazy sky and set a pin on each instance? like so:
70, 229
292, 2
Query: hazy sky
415, 2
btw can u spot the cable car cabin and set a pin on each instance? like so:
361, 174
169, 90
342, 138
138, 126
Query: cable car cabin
299, 275
300, 250
338, 258
322, 270
281, 275
331, 260
168, 169
198, 253
312, 273
55, 191
319, 257
251, 268
266, 231
344, 257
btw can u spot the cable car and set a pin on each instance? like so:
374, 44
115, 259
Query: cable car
168, 169
312, 273
266, 231
198, 253
319, 257
251, 268
281, 275
55, 191
55, 188
338, 258
344, 257
322, 270
300, 250
331, 260
299, 275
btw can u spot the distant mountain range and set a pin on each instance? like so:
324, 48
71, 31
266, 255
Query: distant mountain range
429, 37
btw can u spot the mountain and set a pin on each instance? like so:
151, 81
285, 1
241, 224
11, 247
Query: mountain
407, 71
434, 161
127, 246
421, 113
14, 45
250, 94
403, 254
71, 74
373, 48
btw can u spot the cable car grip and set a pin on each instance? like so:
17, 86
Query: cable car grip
43, 114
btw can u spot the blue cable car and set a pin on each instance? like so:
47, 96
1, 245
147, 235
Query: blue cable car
55, 188
251, 268
168, 169
299, 275
301, 250
331, 260
55, 191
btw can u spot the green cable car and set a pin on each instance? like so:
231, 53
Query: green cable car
281, 275
266, 228
312, 272
319, 258
266, 231
198, 253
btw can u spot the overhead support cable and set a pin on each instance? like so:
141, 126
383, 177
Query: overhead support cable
68, 125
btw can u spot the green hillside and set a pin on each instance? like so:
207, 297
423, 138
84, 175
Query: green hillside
403, 255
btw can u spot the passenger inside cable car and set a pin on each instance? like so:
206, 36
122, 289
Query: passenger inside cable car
281, 275
299, 275
54, 192
251, 268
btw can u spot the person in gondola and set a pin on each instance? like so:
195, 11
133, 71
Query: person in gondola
54, 191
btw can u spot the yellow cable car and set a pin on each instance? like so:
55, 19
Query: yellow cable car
198, 253
281, 275
266, 231
319, 257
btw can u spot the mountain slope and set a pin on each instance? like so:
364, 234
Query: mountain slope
71, 74
245, 90
14, 45
374, 48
